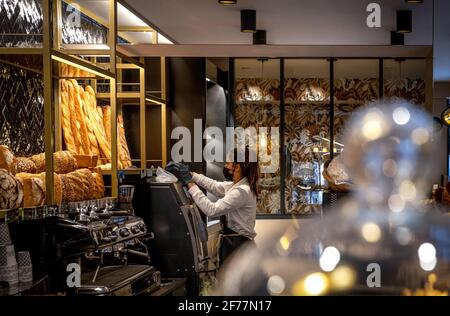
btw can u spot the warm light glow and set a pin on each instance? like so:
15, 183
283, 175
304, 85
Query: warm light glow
371, 232
316, 284
427, 253
396, 203
407, 190
276, 285
343, 278
420, 136
285, 243
372, 130
401, 116
329, 259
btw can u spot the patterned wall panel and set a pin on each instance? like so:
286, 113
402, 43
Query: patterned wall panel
81, 30
20, 23
22, 110
306, 115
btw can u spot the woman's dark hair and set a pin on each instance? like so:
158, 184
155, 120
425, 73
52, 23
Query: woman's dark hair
249, 168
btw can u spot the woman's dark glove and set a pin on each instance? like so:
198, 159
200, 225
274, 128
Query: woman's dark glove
181, 171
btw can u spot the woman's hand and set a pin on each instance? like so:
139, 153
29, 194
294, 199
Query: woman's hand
181, 171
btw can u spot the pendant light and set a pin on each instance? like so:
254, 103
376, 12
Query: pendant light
397, 38
248, 21
227, 2
260, 37
404, 21
414, 1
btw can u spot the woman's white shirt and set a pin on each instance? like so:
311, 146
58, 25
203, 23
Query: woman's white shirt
236, 201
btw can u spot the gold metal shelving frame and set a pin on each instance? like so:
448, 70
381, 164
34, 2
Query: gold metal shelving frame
54, 53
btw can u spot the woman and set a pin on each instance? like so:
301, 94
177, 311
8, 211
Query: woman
237, 200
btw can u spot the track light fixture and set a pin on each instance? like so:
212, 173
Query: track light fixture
404, 21
260, 37
248, 21
227, 2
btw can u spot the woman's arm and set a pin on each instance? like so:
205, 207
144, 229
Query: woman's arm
215, 187
230, 202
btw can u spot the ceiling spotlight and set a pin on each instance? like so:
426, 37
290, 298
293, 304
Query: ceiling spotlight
397, 38
404, 21
414, 1
260, 37
227, 2
248, 21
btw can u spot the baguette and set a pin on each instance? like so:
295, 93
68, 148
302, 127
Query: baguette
66, 122
90, 120
74, 125
107, 122
81, 120
124, 153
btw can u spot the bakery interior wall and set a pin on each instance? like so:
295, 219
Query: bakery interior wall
186, 99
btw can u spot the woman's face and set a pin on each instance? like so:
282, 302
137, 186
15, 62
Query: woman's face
229, 165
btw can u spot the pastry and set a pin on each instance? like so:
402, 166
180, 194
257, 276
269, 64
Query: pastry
11, 191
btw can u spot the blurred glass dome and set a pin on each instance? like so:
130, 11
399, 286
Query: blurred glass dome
382, 241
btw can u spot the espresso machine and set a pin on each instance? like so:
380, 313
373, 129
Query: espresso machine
108, 244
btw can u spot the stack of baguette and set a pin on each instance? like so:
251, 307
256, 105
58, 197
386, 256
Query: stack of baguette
87, 127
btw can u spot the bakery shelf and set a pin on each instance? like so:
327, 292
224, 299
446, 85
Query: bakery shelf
82, 64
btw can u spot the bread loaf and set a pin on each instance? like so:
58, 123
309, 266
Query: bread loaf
68, 194
75, 181
63, 162
6, 158
39, 162
11, 191
23, 177
56, 184
33, 192
99, 187
88, 182
22, 164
